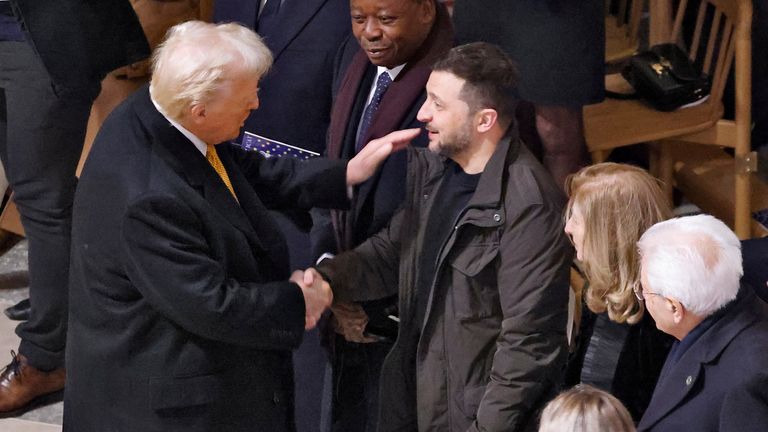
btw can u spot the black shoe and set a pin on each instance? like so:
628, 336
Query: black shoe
19, 311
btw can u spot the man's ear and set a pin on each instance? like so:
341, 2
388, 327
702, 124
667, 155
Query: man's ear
196, 112
485, 119
677, 309
427, 11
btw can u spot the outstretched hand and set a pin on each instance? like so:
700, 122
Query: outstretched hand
364, 164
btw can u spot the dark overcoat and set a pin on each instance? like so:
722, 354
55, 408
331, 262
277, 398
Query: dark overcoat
695, 393
181, 314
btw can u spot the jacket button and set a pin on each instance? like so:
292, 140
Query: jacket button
276, 398
688, 380
426, 196
496, 217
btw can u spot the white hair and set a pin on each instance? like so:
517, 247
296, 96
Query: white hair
694, 259
196, 59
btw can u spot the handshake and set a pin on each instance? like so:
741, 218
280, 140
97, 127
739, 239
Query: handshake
350, 319
317, 295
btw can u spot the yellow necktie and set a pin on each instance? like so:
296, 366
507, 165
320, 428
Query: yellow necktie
213, 159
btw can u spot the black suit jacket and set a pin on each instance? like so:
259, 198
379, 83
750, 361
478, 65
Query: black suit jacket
181, 315
81, 40
694, 393
296, 93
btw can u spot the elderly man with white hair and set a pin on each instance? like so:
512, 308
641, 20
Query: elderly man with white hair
691, 270
183, 314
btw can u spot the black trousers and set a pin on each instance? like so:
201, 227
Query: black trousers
356, 371
42, 128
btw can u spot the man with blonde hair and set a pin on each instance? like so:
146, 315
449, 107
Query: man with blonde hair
183, 313
690, 272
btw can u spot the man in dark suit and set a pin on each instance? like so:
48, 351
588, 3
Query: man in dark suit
183, 316
53, 55
303, 36
395, 41
691, 268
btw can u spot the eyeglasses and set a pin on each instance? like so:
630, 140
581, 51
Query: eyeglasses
640, 294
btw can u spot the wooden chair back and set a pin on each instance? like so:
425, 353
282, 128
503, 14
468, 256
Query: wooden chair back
721, 42
713, 43
622, 28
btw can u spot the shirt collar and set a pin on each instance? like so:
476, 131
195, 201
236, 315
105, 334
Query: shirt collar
199, 144
393, 73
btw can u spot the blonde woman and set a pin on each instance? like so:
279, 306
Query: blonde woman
619, 348
585, 409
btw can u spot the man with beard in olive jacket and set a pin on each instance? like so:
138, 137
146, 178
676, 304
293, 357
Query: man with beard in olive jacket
480, 258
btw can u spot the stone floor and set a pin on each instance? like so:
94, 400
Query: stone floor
13, 287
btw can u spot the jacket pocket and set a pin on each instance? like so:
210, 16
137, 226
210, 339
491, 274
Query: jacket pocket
474, 289
472, 398
173, 393
473, 258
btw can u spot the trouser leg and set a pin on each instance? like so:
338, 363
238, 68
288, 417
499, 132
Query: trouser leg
44, 132
356, 372
561, 130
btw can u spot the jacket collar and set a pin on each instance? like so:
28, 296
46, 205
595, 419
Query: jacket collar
489, 191
681, 378
486, 207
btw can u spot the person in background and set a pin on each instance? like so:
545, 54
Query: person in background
53, 56
379, 88
297, 93
559, 47
296, 96
690, 271
184, 312
478, 257
585, 409
618, 349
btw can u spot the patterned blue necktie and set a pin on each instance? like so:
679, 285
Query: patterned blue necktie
268, 21
382, 84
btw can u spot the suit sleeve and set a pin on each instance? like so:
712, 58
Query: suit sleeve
369, 271
289, 183
169, 260
531, 348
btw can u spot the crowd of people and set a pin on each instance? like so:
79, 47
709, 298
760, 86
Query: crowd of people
177, 282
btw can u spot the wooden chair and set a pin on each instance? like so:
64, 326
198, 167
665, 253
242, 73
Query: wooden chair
622, 29
616, 123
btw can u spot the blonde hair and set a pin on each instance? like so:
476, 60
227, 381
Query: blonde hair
618, 203
196, 59
585, 409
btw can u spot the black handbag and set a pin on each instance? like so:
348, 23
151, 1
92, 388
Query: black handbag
666, 78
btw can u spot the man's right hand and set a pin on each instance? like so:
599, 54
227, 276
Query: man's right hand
317, 295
